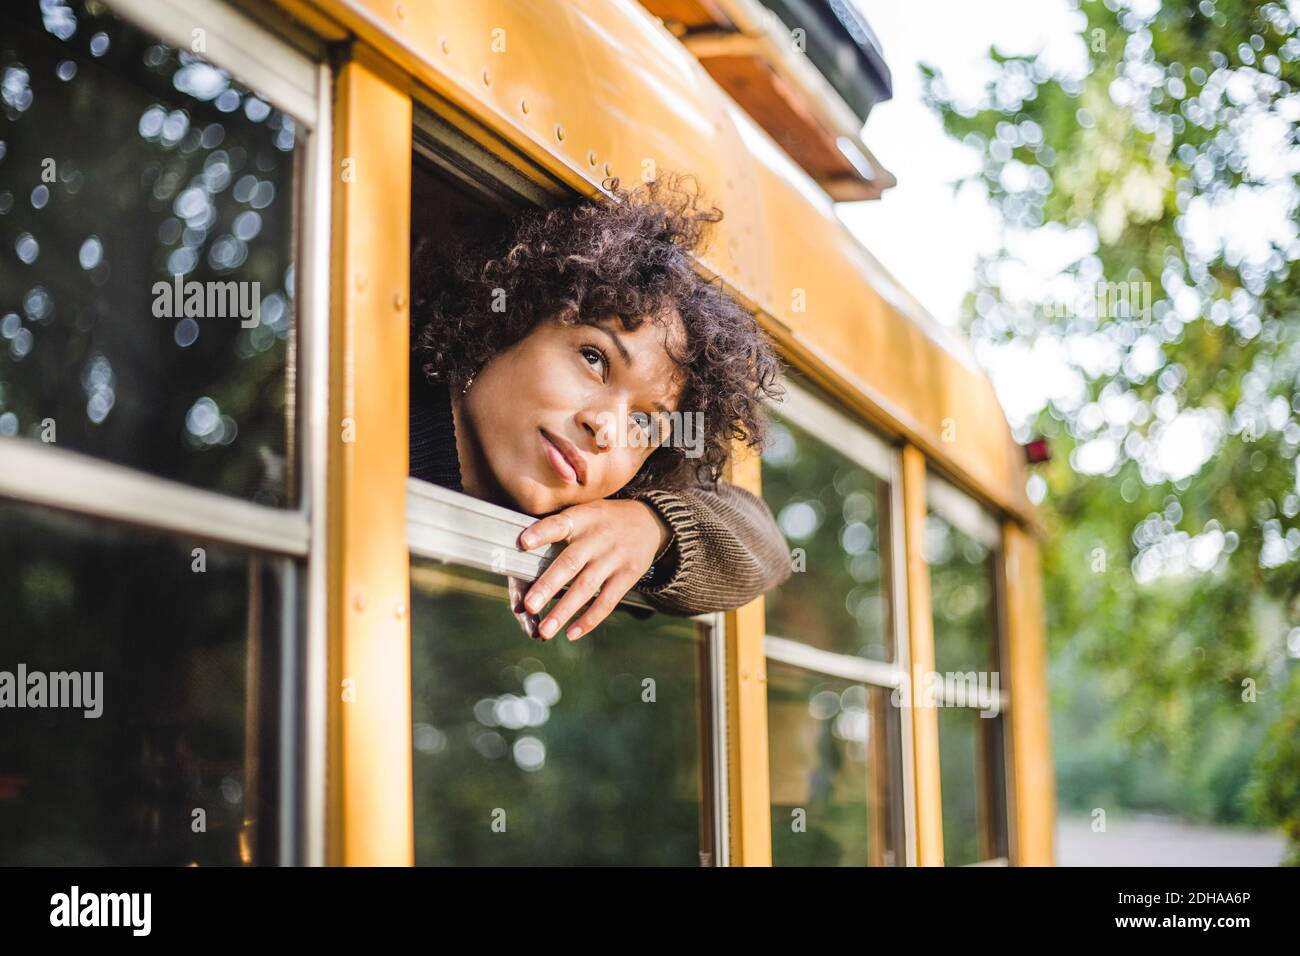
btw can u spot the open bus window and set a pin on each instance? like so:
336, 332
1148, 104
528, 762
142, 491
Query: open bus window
446, 219
589, 752
145, 733
128, 170
568, 753
959, 545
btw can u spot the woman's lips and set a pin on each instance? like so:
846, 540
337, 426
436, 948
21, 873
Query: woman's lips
558, 461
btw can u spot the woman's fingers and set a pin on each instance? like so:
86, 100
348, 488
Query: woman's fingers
527, 622
560, 572
552, 528
581, 591
607, 584
611, 593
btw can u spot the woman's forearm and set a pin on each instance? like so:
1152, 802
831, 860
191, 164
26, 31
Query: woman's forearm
726, 549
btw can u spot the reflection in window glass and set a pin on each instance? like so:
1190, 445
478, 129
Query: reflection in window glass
559, 753
972, 777
836, 513
833, 752
961, 588
123, 163
972, 784
177, 768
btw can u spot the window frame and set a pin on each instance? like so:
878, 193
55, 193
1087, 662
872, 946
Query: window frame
76, 481
965, 514
819, 416
462, 531
290, 72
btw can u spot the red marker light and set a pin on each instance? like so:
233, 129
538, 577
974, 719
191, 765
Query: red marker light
1037, 451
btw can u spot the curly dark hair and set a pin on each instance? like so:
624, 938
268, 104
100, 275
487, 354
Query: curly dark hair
631, 256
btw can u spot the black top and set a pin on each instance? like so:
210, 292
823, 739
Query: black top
433, 432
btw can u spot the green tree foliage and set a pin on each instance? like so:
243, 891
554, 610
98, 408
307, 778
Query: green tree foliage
1170, 594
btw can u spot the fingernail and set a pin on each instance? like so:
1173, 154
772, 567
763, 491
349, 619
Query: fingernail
525, 542
575, 633
532, 604
549, 626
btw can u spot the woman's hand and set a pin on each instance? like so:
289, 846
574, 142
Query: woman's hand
611, 544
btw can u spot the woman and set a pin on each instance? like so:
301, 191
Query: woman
578, 368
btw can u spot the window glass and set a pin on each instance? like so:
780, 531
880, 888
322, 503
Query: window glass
123, 164
178, 766
835, 513
972, 776
972, 784
833, 752
961, 589
562, 753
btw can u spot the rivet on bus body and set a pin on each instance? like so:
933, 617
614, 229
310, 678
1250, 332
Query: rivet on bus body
445, 44
399, 610
609, 170
361, 280
399, 301
523, 106
359, 600
487, 78
591, 156
559, 133
401, 12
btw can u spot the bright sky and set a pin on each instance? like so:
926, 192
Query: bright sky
929, 236
924, 234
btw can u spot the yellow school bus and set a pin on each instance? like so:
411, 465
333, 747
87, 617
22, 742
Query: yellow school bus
302, 656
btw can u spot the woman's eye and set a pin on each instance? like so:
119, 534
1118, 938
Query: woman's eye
589, 352
657, 431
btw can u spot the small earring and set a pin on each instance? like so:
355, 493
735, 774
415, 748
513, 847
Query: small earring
468, 382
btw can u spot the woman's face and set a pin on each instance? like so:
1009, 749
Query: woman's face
565, 415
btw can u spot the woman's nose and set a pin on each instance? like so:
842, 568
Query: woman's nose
601, 425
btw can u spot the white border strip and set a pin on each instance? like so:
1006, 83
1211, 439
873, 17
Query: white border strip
233, 42
314, 426
897, 545
836, 430
445, 525
717, 644
962, 512
290, 797
876, 673
46, 475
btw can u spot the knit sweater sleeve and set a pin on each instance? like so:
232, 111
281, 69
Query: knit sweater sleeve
726, 549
